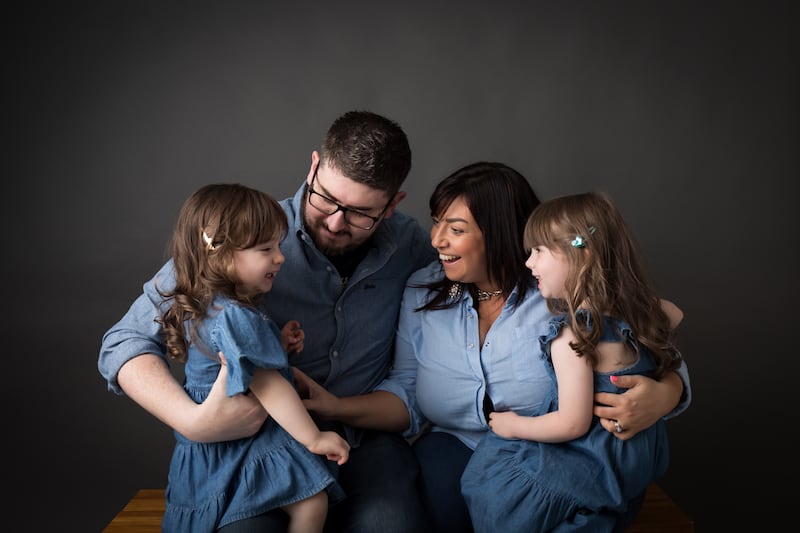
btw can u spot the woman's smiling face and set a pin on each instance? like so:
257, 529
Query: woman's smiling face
459, 241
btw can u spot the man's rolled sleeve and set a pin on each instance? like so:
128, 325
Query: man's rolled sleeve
686, 397
138, 332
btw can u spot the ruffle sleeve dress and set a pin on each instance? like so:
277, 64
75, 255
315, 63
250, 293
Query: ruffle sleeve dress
213, 484
515, 485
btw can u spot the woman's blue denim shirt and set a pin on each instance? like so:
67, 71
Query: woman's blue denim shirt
442, 373
349, 327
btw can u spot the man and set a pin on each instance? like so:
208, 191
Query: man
348, 255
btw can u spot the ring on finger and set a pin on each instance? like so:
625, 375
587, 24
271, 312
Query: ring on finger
617, 426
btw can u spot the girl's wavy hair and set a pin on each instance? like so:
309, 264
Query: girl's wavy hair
606, 274
500, 200
213, 223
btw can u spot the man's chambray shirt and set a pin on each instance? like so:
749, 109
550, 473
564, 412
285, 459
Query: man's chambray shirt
349, 329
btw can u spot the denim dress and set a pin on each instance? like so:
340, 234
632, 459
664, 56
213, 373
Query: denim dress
516, 485
211, 485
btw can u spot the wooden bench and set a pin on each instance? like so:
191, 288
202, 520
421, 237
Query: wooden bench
659, 514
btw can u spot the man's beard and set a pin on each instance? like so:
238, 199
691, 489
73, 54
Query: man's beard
314, 228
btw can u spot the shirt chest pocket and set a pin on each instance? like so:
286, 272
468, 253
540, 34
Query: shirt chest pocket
526, 354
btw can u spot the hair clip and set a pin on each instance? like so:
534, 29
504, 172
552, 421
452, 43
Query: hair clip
210, 246
580, 242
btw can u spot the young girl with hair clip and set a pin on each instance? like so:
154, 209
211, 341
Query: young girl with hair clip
226, 255
561, 470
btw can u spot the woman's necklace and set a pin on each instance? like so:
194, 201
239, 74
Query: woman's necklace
485, 295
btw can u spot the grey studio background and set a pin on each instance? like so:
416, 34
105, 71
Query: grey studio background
686, 112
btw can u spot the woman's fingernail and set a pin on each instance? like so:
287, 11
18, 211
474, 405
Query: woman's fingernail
614, 379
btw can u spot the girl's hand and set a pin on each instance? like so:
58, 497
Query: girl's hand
332, 446
502, 423
292, 337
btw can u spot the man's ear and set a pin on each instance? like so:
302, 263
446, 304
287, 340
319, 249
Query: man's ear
396, 200
314, 163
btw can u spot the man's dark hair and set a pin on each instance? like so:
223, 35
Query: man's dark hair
369, 149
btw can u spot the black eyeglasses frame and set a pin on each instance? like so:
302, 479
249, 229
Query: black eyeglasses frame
343, 209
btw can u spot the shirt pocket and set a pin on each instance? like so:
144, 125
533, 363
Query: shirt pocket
526, 354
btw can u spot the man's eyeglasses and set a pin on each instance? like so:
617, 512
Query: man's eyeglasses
325, 205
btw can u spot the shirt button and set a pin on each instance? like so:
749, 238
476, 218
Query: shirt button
335, 353
471, 346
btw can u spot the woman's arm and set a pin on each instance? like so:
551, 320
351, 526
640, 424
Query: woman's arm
379, 410
392, 405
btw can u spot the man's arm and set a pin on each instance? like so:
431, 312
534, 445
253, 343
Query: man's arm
132, 361
646, 400
644, 403
147, 381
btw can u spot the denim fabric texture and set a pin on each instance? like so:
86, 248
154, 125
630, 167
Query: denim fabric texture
443, 374
380, 480
442, 458
213, 484
349, 328
517, 485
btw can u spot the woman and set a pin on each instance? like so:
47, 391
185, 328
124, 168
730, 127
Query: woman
468, 343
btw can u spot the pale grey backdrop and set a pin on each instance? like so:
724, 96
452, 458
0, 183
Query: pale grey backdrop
686, 112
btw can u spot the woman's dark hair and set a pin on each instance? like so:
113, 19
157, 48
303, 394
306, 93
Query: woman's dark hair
500, 200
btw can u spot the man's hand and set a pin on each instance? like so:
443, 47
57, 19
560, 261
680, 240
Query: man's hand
222, 418
641, 406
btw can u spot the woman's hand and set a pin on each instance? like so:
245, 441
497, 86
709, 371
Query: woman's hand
315, 397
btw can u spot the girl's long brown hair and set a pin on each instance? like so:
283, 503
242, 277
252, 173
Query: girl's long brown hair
215, 221
607, 274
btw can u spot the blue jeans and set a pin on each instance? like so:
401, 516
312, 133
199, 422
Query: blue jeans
380, 481
442, 459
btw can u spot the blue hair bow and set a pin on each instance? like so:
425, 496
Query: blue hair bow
580, 242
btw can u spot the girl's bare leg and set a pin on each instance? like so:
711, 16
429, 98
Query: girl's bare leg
308, 516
